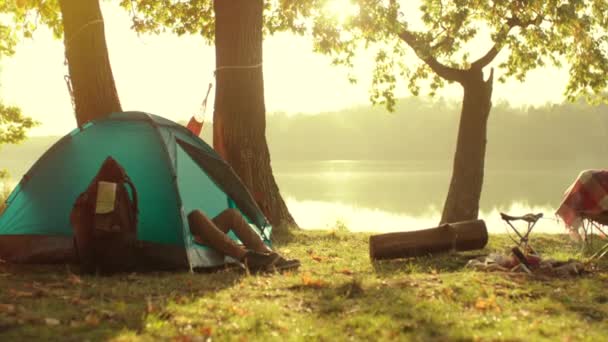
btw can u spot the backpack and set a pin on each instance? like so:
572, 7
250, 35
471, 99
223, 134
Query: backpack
104, 220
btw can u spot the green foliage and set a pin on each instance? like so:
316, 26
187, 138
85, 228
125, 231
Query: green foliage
13, 125
22, 17
180, 17
531, 34
197, 16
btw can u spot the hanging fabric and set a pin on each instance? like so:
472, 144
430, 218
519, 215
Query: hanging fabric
195, 125
196, 122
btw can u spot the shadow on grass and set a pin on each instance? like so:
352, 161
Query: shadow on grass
51, 303
375, 312
444, 263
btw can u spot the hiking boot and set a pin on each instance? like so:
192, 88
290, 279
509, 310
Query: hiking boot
256, 262
283, 264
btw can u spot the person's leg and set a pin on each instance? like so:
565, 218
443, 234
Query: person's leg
210, 234
232, 219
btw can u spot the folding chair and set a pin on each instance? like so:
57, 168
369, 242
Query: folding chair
531, 220
597, 222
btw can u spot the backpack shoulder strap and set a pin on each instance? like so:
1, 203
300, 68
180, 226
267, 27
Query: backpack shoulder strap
128, 181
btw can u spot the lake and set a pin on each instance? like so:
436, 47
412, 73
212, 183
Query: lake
397, 195
384, 196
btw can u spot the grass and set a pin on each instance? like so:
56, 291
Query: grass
337, 295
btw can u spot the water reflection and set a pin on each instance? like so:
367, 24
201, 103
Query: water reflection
389, 196
327, 215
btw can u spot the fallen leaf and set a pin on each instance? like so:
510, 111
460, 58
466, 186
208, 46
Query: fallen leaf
22, 294
92, 319
346, 271
182, 338
311, 282
54, 285
8, 308
316, 258
51, 321
448, 292
487, 304
107, 314
74, 279
239, 311
78, 301
181, 300
150, 308
206, 331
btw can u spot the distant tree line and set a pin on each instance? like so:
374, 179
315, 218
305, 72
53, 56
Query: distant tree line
418, 130
424, 130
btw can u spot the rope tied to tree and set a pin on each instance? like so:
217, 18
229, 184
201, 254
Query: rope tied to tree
79, 31
226, 67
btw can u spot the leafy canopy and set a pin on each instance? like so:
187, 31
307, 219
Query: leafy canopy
530, 33
13, 125
16, 16
24, 16
197, 17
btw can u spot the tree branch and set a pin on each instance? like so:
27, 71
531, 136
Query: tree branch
445, 72
511, 23
486, 59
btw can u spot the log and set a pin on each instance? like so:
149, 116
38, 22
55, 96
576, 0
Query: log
457, 236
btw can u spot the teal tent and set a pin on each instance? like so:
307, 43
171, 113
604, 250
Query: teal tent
174, 173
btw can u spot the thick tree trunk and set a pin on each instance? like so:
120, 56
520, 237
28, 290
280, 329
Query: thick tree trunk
462, 203
91, 76
239, 118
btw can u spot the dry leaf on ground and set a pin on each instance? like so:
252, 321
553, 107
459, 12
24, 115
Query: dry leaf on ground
8, 308
51, 321
74, 279
92, 319
346, 271
308, 281
487, 304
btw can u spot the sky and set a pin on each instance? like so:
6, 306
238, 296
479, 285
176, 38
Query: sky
169, 75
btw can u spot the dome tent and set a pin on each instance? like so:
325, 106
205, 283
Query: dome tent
174, 173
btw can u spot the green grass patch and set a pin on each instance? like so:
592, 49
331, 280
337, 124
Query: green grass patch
338, 294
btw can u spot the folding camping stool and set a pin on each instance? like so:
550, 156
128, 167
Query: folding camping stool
531, 220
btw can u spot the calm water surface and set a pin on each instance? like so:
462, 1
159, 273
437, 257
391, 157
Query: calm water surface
396, 195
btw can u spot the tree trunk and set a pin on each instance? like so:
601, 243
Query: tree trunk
239, 118
462, 202
94, 91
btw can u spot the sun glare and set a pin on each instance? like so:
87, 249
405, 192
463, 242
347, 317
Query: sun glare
341, 10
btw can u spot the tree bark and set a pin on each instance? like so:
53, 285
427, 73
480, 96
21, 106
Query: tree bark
239, 118
462, 202
93, 87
